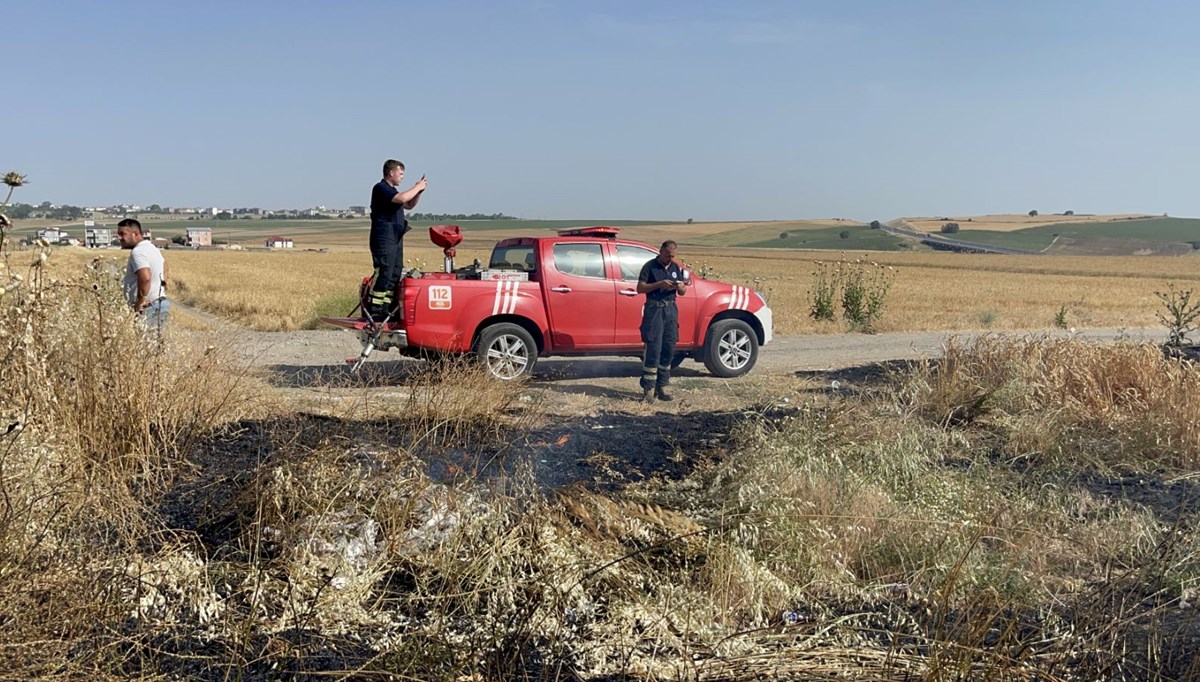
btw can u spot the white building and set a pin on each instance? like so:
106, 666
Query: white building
199, 236
53, 235
97, 237
279, 243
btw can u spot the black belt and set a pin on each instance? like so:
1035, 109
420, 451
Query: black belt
660, 304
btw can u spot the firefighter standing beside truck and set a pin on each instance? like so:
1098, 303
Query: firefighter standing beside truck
661, 279
388, 226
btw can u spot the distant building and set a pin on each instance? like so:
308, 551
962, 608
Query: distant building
97, 237
358, 210
279, 243
53, 235
199, 236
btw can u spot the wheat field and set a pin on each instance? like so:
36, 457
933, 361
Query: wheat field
278, 291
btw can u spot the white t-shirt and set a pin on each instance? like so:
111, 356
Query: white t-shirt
144, 255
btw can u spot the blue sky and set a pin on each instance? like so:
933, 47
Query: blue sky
657, 110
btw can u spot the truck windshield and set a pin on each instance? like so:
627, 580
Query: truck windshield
514, 257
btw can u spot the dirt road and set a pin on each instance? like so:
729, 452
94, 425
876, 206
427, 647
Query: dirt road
785, 355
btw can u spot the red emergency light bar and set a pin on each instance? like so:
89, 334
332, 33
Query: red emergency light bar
598, 231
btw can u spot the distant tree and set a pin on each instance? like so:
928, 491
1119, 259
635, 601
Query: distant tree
1033, 214
179, 239
783, 235
45, 205
1068, 212
950, 228
224, 215
874, 224
844, 234
689, 221
155, 208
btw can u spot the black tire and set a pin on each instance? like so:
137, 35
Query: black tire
731, 348
507, 351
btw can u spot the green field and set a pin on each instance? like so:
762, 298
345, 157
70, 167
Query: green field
802, 236
1020, 239
1037, 238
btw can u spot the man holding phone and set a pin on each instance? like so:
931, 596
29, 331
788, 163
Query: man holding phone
661, 279
388, 226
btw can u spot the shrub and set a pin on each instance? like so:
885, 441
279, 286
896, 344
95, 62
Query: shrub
1033, 214
949, 228
783, 235
875, 225
865, 288
1060, 318
844, 234
825, 286
1181, 314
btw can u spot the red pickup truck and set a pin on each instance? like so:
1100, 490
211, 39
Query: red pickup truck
573, 294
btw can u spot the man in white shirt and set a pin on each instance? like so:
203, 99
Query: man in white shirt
145, 283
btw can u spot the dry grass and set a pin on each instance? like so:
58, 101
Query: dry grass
933, 291
97, 415
160, 525
1102, 403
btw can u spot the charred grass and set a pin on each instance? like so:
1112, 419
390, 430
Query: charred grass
1017, 509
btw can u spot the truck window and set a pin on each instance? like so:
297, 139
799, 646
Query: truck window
632, 258
580, 260
514, 257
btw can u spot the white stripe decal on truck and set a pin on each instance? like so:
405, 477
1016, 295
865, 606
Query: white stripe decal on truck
496, 300
512, 298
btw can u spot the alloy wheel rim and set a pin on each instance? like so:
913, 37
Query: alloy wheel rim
507, 357
734, 349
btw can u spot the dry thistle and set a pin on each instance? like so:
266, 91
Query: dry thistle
14, 179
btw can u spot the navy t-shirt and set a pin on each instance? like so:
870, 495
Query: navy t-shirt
383, 209
653, 271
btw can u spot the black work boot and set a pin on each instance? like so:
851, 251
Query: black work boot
661, 394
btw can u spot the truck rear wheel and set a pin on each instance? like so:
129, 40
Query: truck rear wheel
507, 351
731, 348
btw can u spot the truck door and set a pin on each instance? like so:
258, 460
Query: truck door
631, 258
580, 298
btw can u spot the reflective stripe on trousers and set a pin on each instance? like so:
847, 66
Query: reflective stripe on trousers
660, 332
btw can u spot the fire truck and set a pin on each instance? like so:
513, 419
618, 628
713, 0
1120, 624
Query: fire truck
573, 294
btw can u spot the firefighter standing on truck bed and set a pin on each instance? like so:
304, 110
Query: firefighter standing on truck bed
388, 226
661, 279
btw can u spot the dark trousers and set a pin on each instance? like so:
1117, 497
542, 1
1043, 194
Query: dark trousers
387, 257
660, 332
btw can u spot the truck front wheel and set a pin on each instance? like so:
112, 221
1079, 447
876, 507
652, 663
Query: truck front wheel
507, 351
731, 348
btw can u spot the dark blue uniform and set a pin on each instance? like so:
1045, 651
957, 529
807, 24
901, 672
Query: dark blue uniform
660, 324
388, 226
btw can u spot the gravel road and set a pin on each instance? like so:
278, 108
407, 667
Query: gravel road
802, 352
